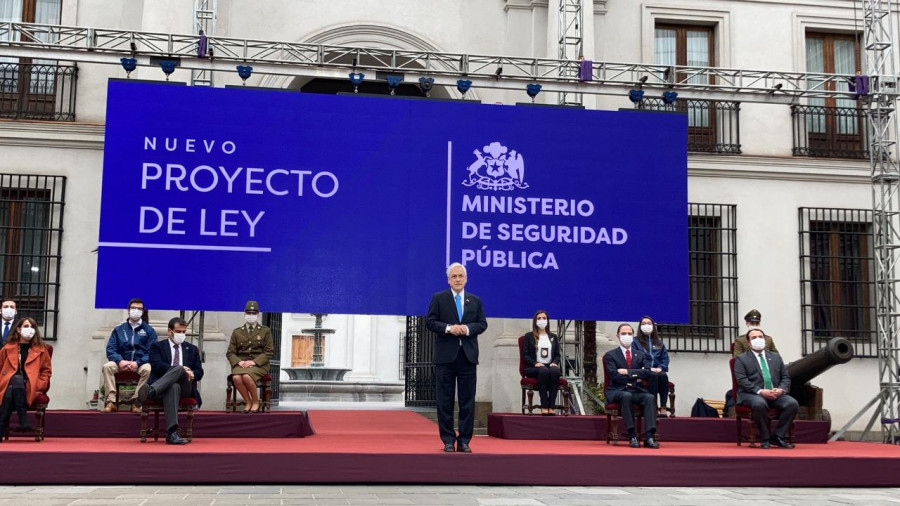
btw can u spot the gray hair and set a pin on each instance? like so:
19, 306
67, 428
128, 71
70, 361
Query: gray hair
457, 264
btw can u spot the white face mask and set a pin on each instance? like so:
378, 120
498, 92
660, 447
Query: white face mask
9, 313
27, 333
626, 340
758, 343
542, 323
135, 314
178, 337
647, 328
251, 318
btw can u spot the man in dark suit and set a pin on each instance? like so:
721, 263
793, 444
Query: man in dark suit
457, 318
628, 369
8, 321
175, 369
763, 383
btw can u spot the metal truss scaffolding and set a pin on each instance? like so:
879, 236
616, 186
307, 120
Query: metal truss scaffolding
571, 44
205, 23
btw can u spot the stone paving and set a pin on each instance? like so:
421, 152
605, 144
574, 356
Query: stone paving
451, 495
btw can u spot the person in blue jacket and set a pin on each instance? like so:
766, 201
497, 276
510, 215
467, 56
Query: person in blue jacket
128, 349
648, 341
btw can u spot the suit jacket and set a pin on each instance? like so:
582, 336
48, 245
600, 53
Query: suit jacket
529, 353
37, 369
442, 314
742, 344
748, 374
253, 345
161, 361
613, 360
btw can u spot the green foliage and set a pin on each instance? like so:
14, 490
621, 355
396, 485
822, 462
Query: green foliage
595, 399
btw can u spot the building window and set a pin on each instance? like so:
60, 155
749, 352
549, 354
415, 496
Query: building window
830, 127
712, 243
837, 278
31, 217
712, 126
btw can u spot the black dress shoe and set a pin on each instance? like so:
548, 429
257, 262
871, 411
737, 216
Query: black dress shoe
175, 439
448, 447
145, 392
764, 445
650, 443
634, 443
780, 443
463, 447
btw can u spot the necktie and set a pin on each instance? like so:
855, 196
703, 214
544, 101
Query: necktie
628, 358
5, 330
767, 378
177, 359
459, 306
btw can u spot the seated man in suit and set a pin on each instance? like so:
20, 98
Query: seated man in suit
763, 383
175, 370
628, 369
752, 319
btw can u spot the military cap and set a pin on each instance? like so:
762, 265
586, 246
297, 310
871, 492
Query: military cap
252, 305
753, 316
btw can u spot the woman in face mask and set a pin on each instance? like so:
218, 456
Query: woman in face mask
24, 372
648, 341
249, 352
540, 349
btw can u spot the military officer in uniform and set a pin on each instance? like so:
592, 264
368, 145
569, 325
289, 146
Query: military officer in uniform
249, 351
742, 344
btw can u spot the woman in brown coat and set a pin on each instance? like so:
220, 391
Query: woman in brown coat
24, 372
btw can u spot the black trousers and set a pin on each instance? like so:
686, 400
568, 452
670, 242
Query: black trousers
548, 383
457, 377
171, 387
659, 385
627, 399
786, 406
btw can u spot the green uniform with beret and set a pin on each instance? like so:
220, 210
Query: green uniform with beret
742, 344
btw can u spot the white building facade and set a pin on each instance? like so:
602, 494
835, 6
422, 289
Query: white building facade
780, 197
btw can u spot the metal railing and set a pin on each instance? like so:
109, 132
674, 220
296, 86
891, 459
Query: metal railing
38, 91
829, 132
713, 127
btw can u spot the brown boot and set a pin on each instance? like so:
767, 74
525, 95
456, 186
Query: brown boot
135, 409
110, 407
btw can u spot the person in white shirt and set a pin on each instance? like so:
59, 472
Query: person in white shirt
540, 350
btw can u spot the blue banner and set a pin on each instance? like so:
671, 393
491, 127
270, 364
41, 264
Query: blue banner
349, 204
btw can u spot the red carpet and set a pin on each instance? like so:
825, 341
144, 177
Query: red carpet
403, 447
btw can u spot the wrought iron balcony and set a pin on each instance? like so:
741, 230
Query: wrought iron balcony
713, 127
37, 91
829, 132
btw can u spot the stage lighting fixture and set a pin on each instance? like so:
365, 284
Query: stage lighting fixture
244, 72
356, 78
426, 84
636, 95
129, 64
643, 79
533, 89
393, 80
498, 72
133, 47
168, 66
210, 53
669, 97
463, 86
667, 74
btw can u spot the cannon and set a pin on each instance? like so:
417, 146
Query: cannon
836, 351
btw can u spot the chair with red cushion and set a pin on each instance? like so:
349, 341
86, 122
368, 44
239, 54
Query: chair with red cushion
529, 386
265, 394
154, 406
39, 407
614, 414
742, 413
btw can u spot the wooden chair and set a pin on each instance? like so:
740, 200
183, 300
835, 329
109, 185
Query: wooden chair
614, 414
742, 413
155, 407
265, 394
39, 408
529, 386
125, 378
